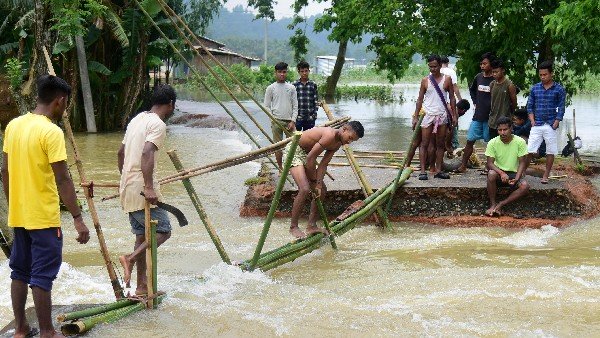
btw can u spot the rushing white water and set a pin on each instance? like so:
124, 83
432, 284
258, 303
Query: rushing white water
413, 280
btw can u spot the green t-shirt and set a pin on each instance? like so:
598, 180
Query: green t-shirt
506, 156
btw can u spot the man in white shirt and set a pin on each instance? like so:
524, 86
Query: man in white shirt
282, 100
137, 159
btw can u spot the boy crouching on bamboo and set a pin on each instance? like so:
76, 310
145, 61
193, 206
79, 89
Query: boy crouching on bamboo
308, 176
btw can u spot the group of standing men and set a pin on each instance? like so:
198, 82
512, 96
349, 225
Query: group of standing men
494, 97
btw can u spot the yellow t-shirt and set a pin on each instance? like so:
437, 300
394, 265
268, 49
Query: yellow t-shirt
32, 142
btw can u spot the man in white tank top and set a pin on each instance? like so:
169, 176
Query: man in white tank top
437, 111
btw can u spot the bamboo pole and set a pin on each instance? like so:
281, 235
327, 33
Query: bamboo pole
404, 163
63, 317
276, 197
199, 208
114, 281
149, 227
154, 246
85, 324
378, 166
362, 180
198, 75
326, 222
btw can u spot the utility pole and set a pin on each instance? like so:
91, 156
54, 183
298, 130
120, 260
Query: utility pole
266, 39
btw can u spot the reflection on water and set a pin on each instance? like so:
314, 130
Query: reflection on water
416, 279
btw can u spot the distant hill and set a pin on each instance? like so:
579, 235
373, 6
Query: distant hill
238, 30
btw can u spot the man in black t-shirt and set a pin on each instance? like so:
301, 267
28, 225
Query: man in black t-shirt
482, 100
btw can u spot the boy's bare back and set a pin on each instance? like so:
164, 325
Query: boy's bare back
325, 136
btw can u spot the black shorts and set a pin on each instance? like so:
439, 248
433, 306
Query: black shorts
511, 176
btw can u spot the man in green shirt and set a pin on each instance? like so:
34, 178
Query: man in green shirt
506, 160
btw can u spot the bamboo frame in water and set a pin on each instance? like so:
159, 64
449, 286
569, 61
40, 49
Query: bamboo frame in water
362, 180
292, 251
276, 197
199, 208
325, 222
150, 237
85, 324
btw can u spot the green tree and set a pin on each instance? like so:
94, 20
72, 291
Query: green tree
522, 33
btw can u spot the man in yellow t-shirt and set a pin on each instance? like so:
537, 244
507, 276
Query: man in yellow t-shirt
137, 159
506, 161
34, 175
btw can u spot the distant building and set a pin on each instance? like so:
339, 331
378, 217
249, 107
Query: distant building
225, 56
324, 64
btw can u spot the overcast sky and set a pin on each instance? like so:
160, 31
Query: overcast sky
283, 7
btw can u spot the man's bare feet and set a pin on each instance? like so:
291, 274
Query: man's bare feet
460, 170
311, 230
296, 232
127, 267
141, 290
27, 332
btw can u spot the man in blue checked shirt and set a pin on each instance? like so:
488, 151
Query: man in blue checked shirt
307, 98
546, 108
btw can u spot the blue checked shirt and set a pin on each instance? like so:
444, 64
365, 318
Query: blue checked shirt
307, 100
546, 105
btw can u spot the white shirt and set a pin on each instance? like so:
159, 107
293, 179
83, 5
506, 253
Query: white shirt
282, 100
145, 127
450, 72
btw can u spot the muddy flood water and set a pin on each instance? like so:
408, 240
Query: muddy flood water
413, 280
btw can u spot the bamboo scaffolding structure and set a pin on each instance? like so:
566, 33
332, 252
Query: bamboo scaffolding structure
362, 180
171, 15
198, 75
292, 251
150, 233
276, 198
199, 208
219, 165
209, 68
114, 281
87, 323
299, 244
404, 163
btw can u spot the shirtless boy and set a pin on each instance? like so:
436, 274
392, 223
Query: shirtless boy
308, 176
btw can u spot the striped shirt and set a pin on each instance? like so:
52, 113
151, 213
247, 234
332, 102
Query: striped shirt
546, 105
307, 100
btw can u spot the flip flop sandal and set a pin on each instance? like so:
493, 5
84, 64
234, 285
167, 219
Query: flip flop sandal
442, 175
423, 177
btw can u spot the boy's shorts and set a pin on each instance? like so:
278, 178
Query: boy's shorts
278, 133
36, 256
542, 133
478, 130
511, 176
299, 156
137, 221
